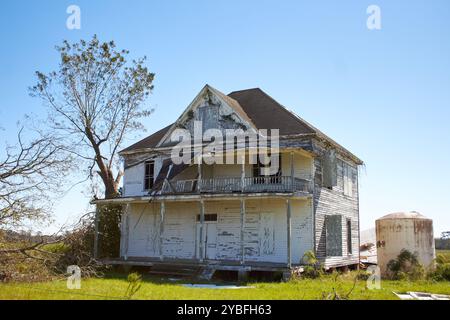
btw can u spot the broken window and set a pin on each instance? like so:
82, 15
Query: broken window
333, 227
349, 236
149, 175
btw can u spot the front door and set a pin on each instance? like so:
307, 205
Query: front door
209, 240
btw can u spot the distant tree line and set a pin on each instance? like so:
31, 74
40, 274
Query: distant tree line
443, 243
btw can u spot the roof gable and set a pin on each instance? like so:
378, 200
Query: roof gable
215, 110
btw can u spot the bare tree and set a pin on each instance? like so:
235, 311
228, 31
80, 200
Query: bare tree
29, 171
95, 100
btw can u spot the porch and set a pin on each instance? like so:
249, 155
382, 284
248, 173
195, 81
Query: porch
269, 233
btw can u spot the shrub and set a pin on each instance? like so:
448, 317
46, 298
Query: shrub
312, 267
134, 284
406, 267
442, 271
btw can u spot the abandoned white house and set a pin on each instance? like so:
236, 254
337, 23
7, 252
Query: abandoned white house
232, 216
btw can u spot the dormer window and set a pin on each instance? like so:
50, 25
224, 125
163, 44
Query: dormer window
149, 174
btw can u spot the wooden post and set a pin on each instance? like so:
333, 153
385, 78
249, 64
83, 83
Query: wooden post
242, 231
202, 230
161, 229
289, 232
199, 169
292, 171
243, 173
127, 230
96, 231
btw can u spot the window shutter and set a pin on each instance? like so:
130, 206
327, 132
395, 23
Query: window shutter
329, 169
333, 225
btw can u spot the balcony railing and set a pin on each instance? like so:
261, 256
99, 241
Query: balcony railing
236, 184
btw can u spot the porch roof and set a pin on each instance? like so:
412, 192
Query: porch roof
198, 197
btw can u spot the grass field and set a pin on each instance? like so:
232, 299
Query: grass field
114, 287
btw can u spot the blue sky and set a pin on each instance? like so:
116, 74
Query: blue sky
384, 94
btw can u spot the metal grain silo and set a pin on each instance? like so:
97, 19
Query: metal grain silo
404, 230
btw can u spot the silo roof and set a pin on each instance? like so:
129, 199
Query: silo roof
404, 215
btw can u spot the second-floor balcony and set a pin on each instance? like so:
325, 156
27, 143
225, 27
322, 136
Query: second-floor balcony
269, 184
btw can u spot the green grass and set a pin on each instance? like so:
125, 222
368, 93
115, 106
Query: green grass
115, 287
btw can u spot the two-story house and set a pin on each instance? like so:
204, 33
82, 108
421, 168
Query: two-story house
236, 216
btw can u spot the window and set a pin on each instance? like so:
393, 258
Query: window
349, 236
333, 229
259, 169
208, 217
149, 175
329, 170
347, 178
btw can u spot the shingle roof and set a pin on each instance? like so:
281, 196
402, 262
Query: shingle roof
266, 113
149, 142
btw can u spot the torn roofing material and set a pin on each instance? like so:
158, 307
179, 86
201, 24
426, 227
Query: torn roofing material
168, 171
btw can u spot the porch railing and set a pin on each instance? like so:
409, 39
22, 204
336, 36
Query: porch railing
237, 184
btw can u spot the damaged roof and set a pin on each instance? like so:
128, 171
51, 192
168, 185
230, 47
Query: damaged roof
262, 110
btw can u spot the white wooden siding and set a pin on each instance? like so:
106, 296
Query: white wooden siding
133, 178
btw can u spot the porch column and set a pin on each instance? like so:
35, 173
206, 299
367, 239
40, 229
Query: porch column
161, 229
243, 173
242, 231
126, 232
289, 233
199, 173
96, 231
201, 231
292, 171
